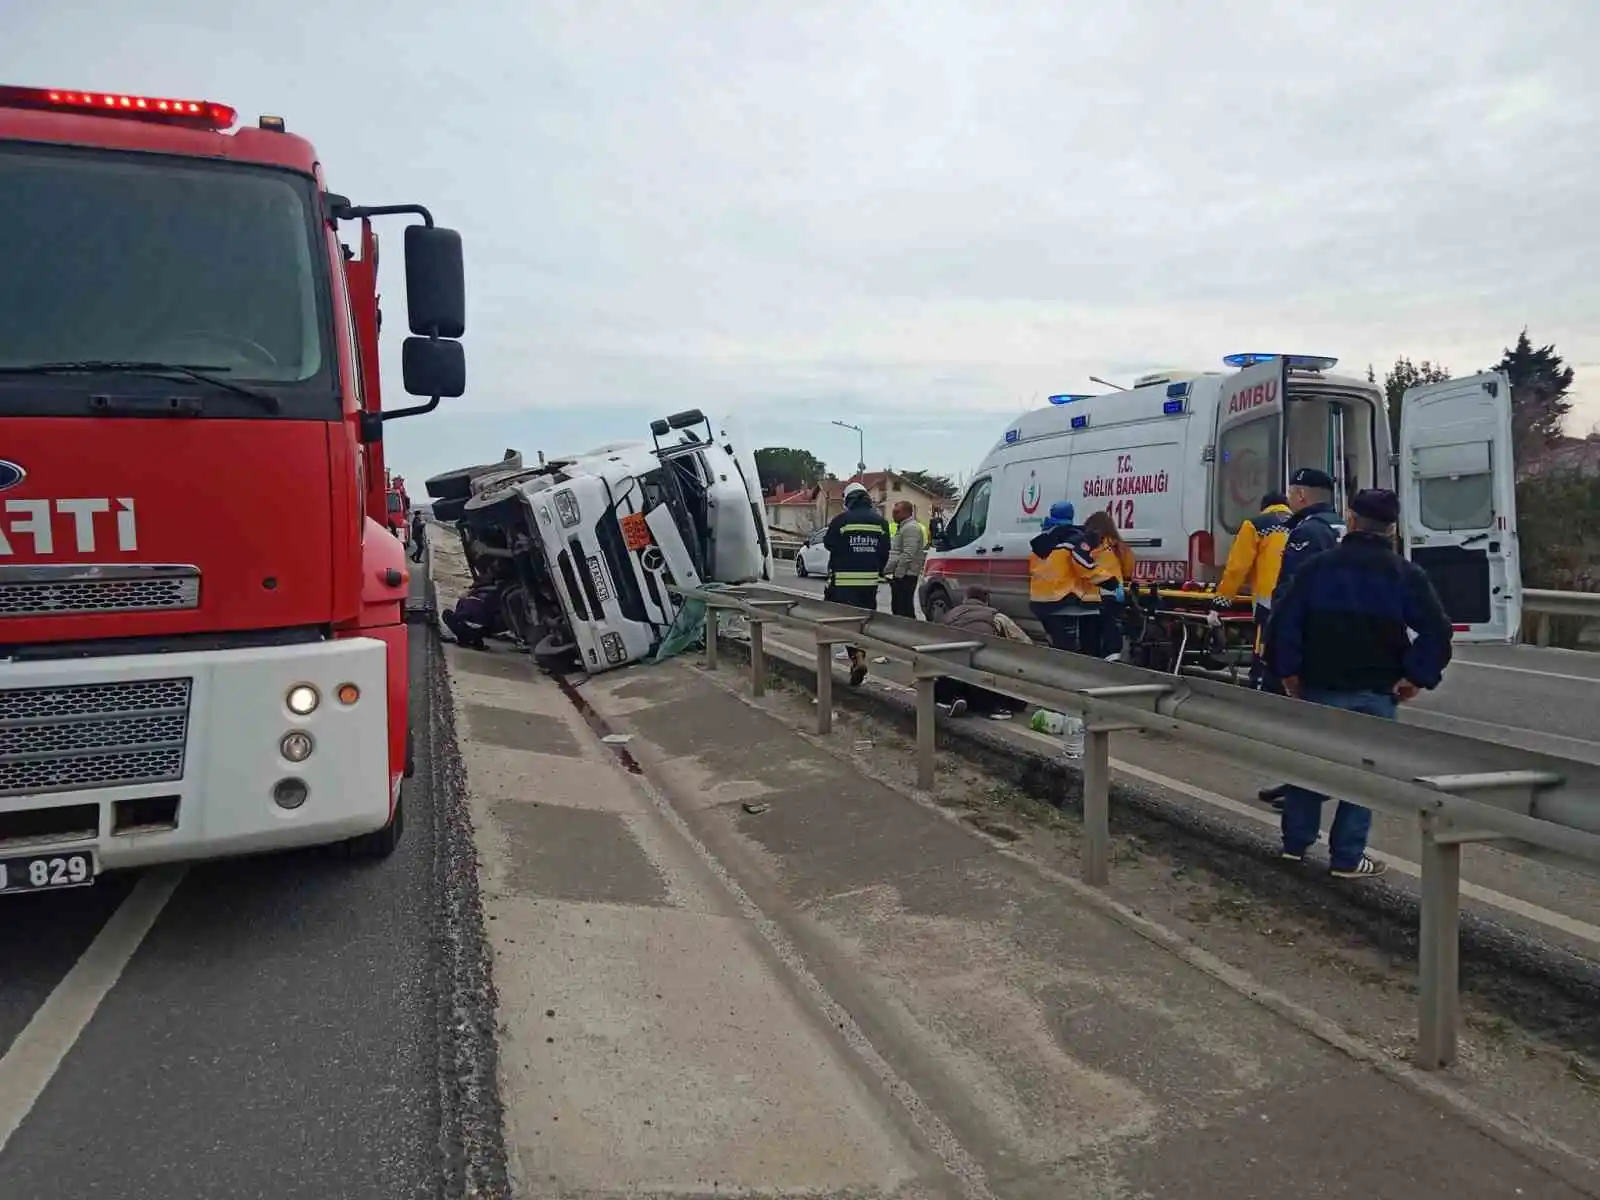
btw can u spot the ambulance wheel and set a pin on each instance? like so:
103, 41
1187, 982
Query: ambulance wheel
555, 655
380, 843
935, 604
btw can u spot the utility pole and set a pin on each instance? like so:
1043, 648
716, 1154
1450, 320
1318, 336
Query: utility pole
861, 446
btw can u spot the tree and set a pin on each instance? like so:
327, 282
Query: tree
1402, 377
786, 467
1539, 400
935, 485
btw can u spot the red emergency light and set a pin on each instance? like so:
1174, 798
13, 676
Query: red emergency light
196, 114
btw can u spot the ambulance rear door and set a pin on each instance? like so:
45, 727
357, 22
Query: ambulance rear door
1249, 449
1458, 501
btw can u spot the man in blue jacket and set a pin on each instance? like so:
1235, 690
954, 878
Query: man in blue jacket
1340, 635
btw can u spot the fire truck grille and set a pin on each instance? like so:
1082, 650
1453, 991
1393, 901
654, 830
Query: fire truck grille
62, 739
45, 598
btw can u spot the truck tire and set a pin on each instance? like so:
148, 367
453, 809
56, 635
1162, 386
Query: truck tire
449, 511
380, 843
457, 484
554, 655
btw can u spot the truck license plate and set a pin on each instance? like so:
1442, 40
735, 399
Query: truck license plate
598, 574
46, 872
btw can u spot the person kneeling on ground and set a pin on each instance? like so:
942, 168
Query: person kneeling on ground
479, 614
1338, 636
976, 614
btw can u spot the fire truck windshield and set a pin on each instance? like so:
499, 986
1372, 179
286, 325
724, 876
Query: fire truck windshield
116, 258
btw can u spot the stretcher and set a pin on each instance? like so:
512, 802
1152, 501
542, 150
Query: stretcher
1172, 629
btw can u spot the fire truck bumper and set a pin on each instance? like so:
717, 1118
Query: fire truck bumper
142, 759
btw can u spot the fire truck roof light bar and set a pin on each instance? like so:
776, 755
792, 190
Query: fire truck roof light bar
197, 114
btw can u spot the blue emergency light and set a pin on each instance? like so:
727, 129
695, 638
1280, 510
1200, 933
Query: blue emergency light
1081, 422
1070, 397
1177, 389
1172, 408
1012, 435
1302, 362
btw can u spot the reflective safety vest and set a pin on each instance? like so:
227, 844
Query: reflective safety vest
1069, 571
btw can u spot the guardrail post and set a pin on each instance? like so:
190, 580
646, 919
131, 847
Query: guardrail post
713, 625
824, 686
927, 714
1439, 949
1096, 806
758, 657
1541, 636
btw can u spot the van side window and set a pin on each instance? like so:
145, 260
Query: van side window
1249, 464
968, 523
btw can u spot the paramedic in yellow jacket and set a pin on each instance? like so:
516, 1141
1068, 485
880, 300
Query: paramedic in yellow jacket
1255, 559
1115, 558
1065, 582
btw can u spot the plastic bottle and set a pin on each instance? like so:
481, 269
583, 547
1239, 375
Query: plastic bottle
1069, 727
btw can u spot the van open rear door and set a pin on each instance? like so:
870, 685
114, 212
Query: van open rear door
1458, 501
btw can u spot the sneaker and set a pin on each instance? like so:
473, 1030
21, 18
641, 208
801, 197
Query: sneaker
958, 708
1288, 857
1367, 868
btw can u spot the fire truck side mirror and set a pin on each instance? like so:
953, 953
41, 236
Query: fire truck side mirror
433, 367
436, 290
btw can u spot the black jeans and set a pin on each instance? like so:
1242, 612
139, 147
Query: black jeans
980, 701
855, 597
1060, 628
903, 596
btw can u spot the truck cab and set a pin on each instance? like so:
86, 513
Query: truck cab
596, 542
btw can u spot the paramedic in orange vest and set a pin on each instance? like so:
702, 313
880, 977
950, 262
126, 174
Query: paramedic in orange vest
1065, 582
1256, 558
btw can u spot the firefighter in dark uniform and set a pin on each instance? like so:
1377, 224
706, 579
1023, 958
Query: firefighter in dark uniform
857, 542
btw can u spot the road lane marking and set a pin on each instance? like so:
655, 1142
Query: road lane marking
1523, 908
39, 1050
1484, 666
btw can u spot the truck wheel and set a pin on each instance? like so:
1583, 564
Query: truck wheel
449, 511
554, 655
380, 843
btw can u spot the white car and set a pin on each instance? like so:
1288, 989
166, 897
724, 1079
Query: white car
813, 556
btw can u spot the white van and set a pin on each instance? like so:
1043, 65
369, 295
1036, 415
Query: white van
1181, 459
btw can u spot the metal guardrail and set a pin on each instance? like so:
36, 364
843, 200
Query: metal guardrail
1458, 789
1543, 604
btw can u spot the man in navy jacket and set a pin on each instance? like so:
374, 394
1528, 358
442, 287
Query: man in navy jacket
1341, 635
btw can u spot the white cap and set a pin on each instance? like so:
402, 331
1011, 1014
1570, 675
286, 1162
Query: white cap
851, 489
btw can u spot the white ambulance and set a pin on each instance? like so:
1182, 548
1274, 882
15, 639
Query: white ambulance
1182, 458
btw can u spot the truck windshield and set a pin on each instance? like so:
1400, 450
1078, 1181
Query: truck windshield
140, 258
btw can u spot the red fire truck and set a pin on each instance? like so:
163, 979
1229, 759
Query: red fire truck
202, 637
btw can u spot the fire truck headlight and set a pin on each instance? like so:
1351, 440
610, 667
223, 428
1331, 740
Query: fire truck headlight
296, 745
302, 699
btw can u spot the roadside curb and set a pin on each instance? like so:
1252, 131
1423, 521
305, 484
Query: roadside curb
1540, 986
472, 1138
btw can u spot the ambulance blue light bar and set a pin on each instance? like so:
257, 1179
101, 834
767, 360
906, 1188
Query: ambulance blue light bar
1299, 362
1070, 397
1081, 422
1172, 408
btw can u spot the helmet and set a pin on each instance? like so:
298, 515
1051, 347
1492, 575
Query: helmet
852, 490
1061, 513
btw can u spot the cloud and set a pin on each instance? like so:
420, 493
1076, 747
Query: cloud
931, 214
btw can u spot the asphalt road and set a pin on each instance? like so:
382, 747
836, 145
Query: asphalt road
1541, 699
277, 1033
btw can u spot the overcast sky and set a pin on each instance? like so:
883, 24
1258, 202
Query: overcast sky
921, 217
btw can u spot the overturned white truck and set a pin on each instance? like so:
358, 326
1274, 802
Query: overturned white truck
586, 549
